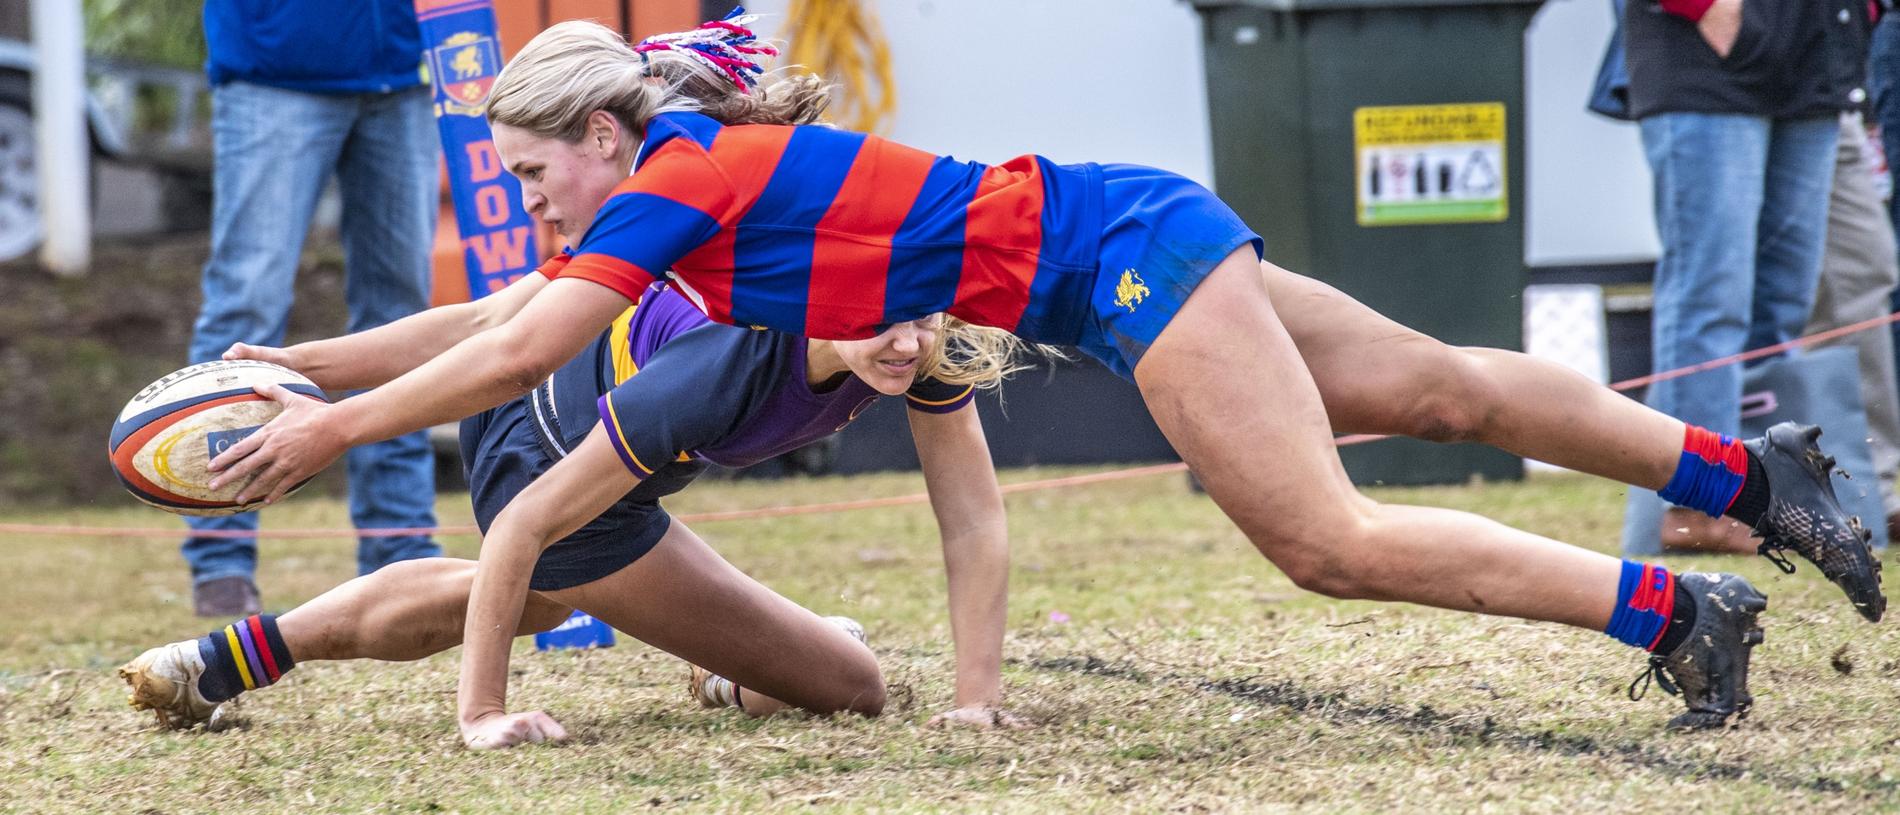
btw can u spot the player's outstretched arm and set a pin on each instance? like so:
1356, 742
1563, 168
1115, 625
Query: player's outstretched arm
494, 611
969, 508
572, 492
478, 373
370, 358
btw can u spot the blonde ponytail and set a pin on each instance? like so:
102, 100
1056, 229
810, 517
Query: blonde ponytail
577, 67
979, 355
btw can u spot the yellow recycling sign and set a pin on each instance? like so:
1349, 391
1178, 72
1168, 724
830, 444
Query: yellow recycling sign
1430, 164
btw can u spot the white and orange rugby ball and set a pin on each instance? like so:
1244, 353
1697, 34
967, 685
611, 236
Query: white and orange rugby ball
165, 438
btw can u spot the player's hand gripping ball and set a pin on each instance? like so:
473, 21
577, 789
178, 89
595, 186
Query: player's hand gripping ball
165, 438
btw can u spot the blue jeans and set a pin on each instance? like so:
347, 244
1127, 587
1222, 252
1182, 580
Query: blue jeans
1883, 83
275, 149
1741, 207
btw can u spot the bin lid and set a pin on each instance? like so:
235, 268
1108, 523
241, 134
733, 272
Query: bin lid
1332, 5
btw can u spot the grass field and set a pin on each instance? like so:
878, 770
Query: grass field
1167, 668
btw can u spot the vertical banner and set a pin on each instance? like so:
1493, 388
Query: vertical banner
463, 57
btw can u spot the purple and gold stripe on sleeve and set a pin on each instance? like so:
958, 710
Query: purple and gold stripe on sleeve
618, 438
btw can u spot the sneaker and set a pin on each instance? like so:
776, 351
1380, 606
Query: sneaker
1803, 515
1709, 670
164, 680
225, 597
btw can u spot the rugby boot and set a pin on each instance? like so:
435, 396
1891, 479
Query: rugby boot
1804, 516
164, 680
1709, 669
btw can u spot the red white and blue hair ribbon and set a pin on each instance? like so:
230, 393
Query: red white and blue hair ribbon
725, 45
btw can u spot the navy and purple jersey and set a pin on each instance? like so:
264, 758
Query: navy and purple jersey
686, 393
834, 234
674, 388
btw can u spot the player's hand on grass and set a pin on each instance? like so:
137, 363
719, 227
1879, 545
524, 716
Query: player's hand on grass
496, 731
979, 717
262, 353
285, 452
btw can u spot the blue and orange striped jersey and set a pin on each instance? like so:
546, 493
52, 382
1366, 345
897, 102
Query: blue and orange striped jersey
835, 234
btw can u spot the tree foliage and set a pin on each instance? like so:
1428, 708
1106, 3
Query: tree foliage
166, 32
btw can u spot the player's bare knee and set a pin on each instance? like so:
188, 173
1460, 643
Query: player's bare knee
1324, 575
1459, 407
1444, 419
1331, 559
866, 690
853, 684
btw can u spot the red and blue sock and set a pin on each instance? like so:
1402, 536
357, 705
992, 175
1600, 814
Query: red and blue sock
1717, 475
245, 655
1648, 614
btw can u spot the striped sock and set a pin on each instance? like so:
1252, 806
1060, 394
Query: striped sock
245, 655
720, 689
1645, 602
1711, 473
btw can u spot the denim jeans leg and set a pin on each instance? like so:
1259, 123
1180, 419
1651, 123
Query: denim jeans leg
1791, 237
387, 175
1709, 171
1883, 84
1709, 174
392, 486
1859, 270
273, 150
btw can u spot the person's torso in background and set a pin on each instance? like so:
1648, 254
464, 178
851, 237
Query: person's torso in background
1792, 58
317, 46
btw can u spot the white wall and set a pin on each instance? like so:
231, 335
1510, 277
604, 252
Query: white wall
987, 80
1588, 184
1074, 80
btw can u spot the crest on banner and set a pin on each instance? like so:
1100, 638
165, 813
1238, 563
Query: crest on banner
465, 67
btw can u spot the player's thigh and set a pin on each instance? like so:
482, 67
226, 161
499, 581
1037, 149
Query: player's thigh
1233, 395
1368, 368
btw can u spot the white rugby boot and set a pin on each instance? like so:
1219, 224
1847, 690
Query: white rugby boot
164, 680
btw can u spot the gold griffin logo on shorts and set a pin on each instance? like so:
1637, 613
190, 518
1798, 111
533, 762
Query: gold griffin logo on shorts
1130, 291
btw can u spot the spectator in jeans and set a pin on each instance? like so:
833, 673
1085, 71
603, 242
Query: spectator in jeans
1739, 115
1858, 275
1883, 82
302, 92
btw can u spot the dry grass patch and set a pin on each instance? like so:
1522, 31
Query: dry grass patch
1182, 673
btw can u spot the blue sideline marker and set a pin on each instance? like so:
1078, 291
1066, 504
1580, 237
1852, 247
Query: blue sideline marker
580, 630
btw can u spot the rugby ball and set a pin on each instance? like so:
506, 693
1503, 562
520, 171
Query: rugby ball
163, 442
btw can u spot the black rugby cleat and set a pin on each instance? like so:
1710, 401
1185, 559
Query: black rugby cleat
1804, 516
1709, 670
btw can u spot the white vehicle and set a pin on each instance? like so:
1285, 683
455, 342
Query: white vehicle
21, 226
